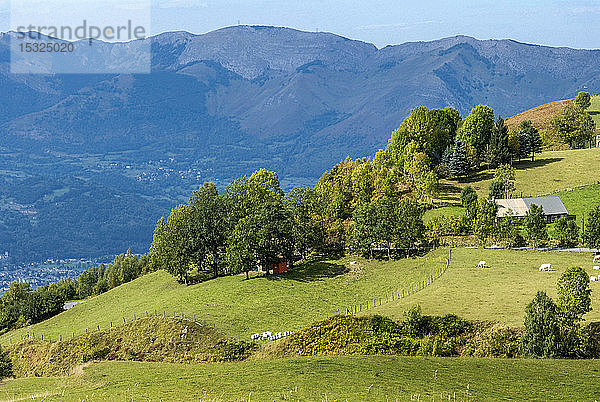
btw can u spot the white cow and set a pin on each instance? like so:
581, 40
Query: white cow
594, 278
596, 267
482, 264
546, 267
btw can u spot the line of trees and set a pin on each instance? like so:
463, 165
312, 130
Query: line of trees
21, 305
253, 224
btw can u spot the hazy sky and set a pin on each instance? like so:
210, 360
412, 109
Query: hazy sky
550, 22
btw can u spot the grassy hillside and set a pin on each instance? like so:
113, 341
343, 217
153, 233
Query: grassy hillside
551, 172
497, 293
332, 378
314, 290
540, 116
580, 200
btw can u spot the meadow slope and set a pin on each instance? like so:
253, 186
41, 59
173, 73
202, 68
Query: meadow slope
322, 378
499, 293
314, 290
549, 173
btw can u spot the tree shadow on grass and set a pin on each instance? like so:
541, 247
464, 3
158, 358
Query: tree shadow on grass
527, 164
448, 192
478, 176
311, 271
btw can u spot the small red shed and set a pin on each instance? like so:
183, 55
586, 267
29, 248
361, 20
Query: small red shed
280, 268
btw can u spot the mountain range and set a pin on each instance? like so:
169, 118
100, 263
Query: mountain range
225, 103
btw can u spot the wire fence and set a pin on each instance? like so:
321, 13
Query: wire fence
401, 293
192, 317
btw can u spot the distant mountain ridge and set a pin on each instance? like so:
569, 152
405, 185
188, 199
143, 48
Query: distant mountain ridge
84, 150
306, 95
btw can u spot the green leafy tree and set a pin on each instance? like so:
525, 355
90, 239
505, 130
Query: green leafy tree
508, 230
497, 190
566, 232
410, 230
6, 370
529, 139
210, 216
499, 152
574, 126
429, 132
514, 143
476, 130
468, 199
583, 100
307, 209
387, 221
542, 330
263, 238
505, 175
485, 219
574, 301
422, 178
534, 225
242, 245
574, 294
364, 232
591, 236
175, 247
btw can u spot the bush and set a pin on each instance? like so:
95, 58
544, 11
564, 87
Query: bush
5, 365
449, 325
436, 346
591, 340
415, 324
229, 350
494, 340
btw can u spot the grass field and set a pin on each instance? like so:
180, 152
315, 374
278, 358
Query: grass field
322, 379
499, 293
241, 307
551, 172
580, 200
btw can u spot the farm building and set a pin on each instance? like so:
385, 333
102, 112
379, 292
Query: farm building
553, 207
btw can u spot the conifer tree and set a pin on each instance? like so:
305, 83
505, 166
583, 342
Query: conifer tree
499, 151
458, 165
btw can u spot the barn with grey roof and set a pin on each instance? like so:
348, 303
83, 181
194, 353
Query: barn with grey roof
553, 207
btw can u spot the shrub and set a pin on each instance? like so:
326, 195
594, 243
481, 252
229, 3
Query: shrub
229, 350
590, 335
436, 346
415, 324
5, 365
494, 340
449, 325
